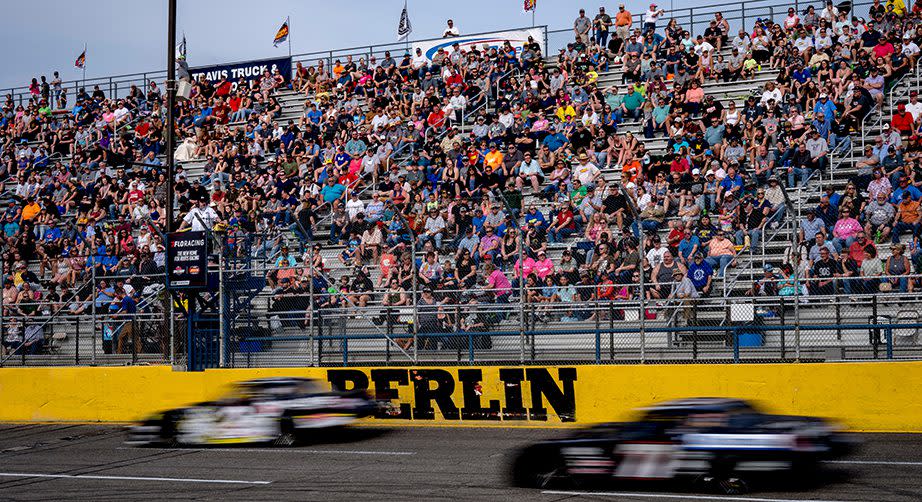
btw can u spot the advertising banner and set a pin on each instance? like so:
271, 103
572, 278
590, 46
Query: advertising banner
517, 38
245, 70
187, 260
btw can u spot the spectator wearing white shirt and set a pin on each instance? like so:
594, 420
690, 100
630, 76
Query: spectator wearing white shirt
803, 44
200, 218
451, 30
830, 13
354, 205
529, 171
914, 106
650, 17
771, 93
433, 230
586, 172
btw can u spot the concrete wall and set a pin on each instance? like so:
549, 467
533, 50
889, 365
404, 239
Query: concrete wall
863, 396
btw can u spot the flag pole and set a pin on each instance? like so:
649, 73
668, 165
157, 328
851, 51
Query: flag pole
83, 82
288, 22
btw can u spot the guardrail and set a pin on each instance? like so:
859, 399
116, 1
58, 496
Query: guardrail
738, 14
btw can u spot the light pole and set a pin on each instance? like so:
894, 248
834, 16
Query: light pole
170, 115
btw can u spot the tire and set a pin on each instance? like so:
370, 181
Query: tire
168, 430
288, 436
539, 468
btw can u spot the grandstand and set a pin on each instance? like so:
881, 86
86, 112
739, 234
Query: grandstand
330, 256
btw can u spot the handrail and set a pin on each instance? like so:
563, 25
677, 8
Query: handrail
733, 11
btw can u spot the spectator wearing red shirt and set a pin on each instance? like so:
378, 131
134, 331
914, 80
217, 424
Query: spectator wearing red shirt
902, 120
679, 164
436, 118
564, 224
883, 48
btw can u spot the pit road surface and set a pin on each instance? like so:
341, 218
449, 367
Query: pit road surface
82, 462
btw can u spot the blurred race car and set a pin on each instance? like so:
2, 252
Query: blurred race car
723, 444
268, 410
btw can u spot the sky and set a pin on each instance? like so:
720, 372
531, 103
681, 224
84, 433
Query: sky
128, 36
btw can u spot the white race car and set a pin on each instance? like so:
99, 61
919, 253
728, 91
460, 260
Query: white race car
268, 410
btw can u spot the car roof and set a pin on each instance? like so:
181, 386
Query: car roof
274, 381
715, 404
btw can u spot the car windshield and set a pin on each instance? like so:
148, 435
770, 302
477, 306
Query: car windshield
249, 391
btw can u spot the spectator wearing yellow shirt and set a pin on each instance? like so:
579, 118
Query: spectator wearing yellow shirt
493, 158
565, 112
30, 210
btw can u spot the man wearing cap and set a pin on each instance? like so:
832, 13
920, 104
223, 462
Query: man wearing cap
602, 24
586, 172
903, 121
581, 27
825, 106
914, 106
907, 218
623, 22
650, 17
818, 148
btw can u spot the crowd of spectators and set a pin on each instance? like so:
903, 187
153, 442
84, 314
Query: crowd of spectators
489, 161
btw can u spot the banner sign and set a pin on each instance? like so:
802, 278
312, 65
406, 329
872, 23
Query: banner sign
187, 260
517, 38
493, 394
246, 70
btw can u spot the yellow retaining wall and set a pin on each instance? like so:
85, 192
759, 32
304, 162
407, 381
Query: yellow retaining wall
864, 396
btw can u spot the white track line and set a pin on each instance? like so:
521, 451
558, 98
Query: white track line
283, 450
681, 496
871, 462
131, 478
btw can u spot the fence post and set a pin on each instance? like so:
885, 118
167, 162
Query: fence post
76, 342
134, 340
2, 306
93, 307
223, 331
691, 21
415, 296
172, 324
743, 14
310, 305
889, 334
797, 310
875, 332
736, 345
783, 331
522, 292
598, 333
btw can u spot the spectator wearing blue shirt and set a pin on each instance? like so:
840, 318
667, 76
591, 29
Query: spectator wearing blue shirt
355, 147
701, 273
826, 107
897, 196
53, 233
822, 125
314, 115
732, 183
534, 217
554, 140
688, 247
332, 191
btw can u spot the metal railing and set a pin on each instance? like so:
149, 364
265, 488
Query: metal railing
738, 14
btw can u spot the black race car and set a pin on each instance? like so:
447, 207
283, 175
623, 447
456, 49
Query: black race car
267, 410
721, 443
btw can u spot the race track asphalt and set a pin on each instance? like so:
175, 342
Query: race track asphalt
90, 462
